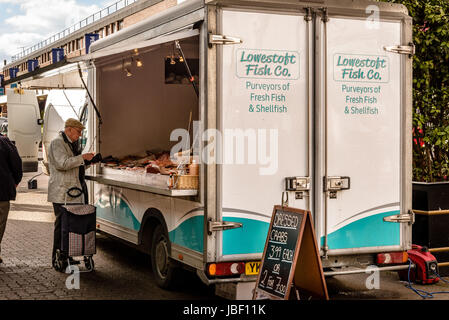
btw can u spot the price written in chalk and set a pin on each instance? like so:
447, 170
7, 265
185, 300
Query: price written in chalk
280, 252
290, 249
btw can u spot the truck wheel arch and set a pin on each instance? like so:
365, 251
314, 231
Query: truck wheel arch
151, 218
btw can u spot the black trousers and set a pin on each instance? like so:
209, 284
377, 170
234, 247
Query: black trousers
57, 207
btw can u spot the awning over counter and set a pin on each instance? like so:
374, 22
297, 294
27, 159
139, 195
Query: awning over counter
176, 23
165, 22
172, 24
35, 73
116, 49
61, 75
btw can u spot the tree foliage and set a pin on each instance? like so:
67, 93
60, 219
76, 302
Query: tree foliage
430, 88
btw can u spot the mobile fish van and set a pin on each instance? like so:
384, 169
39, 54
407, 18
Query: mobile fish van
304, 103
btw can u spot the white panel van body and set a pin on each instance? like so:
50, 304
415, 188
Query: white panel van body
305, 104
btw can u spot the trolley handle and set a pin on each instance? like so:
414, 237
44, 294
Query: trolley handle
71, 193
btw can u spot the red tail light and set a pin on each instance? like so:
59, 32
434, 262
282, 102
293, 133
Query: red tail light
226, 268
392, 257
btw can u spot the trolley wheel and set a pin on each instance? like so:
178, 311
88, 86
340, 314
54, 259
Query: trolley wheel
59, 262
89, 263
164, 268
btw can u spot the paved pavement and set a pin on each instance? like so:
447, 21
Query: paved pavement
122, 273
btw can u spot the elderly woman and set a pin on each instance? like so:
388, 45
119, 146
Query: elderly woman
66, 166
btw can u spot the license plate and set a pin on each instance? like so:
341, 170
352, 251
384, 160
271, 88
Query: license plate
252, 268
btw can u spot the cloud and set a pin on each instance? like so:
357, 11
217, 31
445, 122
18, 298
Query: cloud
38, 20
11, 43
48, 15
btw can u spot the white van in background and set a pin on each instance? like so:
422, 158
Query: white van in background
60, 106
24, 126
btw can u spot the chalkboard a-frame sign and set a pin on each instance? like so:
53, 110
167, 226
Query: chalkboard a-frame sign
291, 258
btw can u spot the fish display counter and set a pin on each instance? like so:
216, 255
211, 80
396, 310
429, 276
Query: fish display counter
154, 172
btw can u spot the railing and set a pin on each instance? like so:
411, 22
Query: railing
83, 23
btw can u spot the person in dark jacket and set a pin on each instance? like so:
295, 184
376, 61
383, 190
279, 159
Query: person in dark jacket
10, 176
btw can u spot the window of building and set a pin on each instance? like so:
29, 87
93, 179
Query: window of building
119, 25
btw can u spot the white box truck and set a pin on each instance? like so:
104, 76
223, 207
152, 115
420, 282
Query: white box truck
304, 102
24, 125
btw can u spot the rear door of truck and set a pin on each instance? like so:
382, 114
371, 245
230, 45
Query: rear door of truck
363, 129
264, 118
24, 127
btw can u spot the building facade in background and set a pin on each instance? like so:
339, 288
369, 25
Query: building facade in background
75, 40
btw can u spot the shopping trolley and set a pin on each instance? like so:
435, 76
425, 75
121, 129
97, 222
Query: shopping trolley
78, 234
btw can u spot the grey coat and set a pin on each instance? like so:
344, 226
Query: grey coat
64, 171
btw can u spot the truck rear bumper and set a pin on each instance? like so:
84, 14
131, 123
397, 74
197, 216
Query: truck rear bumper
240, 288
235, 290
367, 270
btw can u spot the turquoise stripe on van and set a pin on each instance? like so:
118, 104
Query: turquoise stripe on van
250, 238
371, 231
118, 212
189, 234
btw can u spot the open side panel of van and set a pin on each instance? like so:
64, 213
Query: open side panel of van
24, 127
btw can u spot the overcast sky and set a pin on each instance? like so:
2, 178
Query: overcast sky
24, 23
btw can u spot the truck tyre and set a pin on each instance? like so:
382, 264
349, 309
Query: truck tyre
164, 268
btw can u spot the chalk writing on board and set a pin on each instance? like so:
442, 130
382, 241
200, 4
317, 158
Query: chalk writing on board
279, 252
